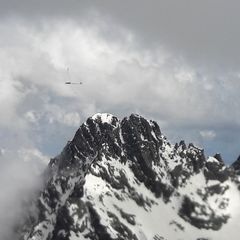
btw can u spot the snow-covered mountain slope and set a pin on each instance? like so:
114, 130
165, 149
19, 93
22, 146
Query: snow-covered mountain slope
124, 180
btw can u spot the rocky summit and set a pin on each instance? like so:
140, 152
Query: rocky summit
122, 179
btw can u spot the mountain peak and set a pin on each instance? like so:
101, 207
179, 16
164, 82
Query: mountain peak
104, 117
117, 176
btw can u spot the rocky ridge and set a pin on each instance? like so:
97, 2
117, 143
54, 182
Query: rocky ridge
125, 180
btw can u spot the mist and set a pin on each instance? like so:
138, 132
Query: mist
20, 179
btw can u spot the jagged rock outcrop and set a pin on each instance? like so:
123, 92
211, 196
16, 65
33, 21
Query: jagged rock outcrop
124, 180
236, 165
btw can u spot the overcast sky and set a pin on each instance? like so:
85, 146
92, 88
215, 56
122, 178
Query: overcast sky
176, 62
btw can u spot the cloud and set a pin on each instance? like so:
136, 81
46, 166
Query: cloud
19, 178
208, 134
117, 77
2, 151
34, 156
204, 32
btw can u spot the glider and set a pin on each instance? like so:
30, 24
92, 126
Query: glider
73, 83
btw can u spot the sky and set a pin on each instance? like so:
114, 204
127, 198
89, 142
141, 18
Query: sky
175, 62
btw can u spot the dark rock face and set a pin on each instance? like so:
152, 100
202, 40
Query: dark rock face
110, 165
142, 141
190, 211
236, 165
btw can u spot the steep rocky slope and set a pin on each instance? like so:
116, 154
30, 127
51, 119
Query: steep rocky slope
124, 180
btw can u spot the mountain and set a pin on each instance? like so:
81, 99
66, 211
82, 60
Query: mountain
122, 179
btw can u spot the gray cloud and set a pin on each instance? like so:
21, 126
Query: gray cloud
204, 32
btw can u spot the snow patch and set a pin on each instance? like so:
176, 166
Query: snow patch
104, 117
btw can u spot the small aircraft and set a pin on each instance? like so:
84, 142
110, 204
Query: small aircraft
73, 83
69, 79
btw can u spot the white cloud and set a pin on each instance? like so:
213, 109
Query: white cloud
33, 155
55, 114
72, 119
31, 116
208, 134
10, 97
20, 176
2, 151
185, 75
